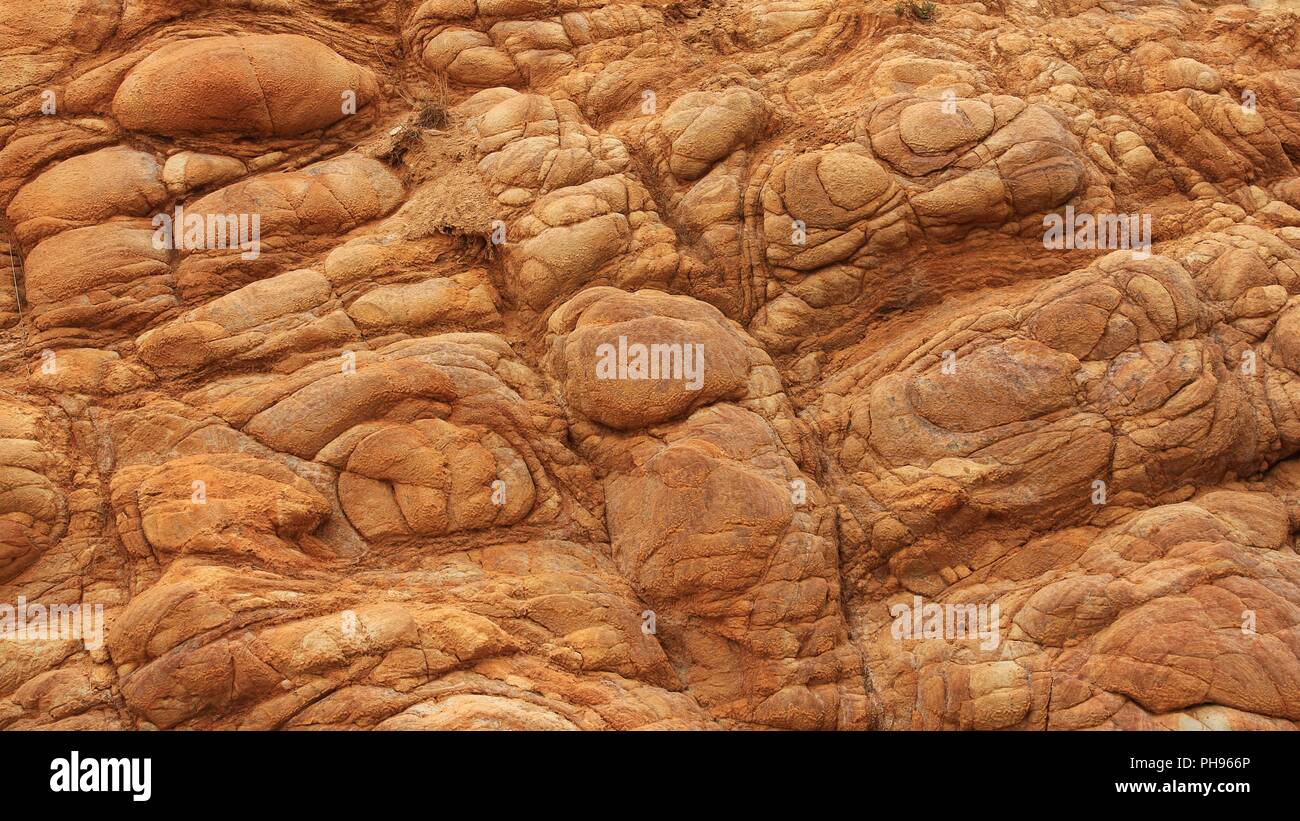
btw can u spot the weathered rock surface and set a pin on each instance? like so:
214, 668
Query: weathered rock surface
485, 364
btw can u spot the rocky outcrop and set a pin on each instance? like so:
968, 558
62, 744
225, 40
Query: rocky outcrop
484, 364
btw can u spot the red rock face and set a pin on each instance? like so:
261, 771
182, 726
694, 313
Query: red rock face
495, 364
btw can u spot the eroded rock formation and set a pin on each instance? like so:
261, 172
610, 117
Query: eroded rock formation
417, 364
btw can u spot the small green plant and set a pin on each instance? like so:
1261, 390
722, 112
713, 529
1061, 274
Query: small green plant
917, 11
